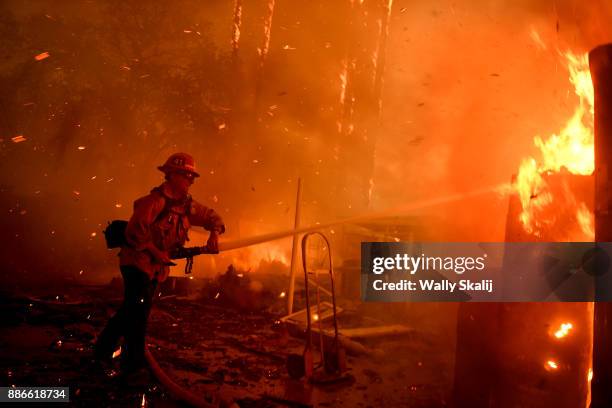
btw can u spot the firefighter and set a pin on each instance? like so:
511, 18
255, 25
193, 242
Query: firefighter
159, 224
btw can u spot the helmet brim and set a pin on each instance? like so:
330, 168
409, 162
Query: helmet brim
170, 169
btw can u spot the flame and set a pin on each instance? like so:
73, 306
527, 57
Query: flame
252, 257
571, 149
563, 330
586, 220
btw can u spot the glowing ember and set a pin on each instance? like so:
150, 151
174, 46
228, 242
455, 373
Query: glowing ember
18, 139
564, 330
117, 352
143, 403
315, 317
42, 56
551, 365
282, 295
572, 149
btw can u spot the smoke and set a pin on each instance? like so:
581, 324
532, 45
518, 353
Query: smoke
468, 86
126, 83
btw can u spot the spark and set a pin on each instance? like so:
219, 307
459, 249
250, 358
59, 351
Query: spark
93, 234
563, 330
117, 352
42, 56
282, 295
18, 139
118, 205
590, 375
81, 147
551, 365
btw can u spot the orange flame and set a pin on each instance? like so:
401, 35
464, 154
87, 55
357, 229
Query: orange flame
572, 149
253, 257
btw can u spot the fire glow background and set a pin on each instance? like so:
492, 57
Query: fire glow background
373, 107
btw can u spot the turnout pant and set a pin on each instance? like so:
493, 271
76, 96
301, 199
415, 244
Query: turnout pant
130, 321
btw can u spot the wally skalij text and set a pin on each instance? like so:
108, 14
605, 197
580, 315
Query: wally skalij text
486, 272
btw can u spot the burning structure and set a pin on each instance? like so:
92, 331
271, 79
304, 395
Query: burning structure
394, 114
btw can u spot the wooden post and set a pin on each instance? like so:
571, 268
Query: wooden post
600, 62
294, 248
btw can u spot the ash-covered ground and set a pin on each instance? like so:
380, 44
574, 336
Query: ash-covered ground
211, 340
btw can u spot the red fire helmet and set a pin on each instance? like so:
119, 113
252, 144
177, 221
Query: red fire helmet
179, 162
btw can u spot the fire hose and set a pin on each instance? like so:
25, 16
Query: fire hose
258, 239
192, 399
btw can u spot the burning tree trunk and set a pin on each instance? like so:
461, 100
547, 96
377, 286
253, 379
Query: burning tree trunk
263, 50
600, 60
236, 25
361, 94
524, 352
381, 54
